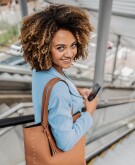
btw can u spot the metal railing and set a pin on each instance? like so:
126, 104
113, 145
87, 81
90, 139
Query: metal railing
13, 121
15, 69
91, 148
14, 109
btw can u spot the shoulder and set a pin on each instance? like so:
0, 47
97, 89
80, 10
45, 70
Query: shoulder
41, 77
60, 95
36, 73
61, 89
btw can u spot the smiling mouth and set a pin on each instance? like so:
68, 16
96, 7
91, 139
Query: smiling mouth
66, 60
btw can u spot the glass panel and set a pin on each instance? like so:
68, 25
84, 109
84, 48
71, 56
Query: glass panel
11, 146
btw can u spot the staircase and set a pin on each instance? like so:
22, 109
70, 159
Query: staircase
11, 138
120, 153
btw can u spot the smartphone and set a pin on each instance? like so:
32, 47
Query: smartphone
94, 92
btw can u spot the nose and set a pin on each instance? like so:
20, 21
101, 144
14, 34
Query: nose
69, 52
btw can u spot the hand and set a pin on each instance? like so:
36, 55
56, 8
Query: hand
91, 105
84, 92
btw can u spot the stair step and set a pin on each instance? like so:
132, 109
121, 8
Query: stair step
18, 77
124, 154
4, 108
5, 75
111, 156
98, 161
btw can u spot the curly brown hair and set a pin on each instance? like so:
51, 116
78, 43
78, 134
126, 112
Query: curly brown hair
38, 30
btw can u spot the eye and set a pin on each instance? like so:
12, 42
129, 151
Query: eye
74, 45
60, 48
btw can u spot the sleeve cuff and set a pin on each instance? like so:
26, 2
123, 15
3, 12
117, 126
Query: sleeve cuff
87, 116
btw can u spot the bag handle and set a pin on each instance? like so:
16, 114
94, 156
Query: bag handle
45, 100
44, 97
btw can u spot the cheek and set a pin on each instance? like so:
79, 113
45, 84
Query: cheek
55, 55
75, 51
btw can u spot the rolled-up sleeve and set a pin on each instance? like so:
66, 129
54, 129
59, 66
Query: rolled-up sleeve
65, 132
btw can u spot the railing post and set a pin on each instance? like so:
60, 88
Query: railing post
105, 10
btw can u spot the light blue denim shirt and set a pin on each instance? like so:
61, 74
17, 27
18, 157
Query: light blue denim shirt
63, 98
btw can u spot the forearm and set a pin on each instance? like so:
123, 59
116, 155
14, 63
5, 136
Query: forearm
66, 133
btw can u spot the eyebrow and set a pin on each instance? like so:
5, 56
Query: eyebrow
64, 44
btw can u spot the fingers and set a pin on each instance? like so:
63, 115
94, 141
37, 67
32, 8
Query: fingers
86, 98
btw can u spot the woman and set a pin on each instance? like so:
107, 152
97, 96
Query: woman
51, 40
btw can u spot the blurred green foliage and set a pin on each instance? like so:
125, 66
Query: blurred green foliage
8, 32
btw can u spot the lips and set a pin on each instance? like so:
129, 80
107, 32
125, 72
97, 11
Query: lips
66, 60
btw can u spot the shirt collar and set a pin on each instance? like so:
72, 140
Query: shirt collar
55, 73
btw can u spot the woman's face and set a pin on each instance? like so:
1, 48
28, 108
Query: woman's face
63, 49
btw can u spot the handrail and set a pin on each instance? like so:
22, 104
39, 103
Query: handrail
10, 53
120, 98
15, 69
13, 121
16, 108
106, 105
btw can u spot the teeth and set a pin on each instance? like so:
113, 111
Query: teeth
67, 60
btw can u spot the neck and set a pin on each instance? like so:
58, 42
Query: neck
59, 69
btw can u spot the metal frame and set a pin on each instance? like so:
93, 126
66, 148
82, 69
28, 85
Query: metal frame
13, 121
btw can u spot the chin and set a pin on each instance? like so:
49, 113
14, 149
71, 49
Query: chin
66, 66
